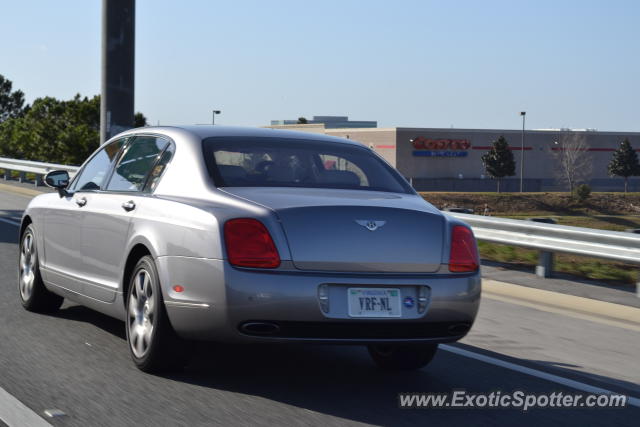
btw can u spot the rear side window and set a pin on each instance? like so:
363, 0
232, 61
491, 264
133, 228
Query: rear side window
136, 163
158, 169
94, 173
280, 162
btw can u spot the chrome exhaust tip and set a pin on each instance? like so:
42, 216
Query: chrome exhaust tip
259, 328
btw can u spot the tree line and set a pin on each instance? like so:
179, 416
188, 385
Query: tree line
68, 131
572, 158
49, 129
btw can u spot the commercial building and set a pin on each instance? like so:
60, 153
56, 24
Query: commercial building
330, 122
447, 159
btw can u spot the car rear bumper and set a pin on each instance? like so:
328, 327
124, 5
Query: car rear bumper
223, 303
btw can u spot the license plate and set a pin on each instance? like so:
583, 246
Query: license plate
374, 302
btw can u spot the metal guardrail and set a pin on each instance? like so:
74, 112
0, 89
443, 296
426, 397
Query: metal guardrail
551, 238
27, 166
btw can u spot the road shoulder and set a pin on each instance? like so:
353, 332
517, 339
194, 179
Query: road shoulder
563, 284
579, 307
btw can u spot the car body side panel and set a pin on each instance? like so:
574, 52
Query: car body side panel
200, 310
174, 228
104, 230
57, 220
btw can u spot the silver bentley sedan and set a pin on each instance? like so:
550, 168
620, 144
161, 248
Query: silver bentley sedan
250, 235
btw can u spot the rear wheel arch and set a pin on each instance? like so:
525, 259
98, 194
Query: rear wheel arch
137, 252
153, 343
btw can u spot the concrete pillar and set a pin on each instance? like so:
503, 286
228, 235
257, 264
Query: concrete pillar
545, 264
118, 52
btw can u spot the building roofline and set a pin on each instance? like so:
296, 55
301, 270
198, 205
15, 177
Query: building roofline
360, 129
505, 131
516, 131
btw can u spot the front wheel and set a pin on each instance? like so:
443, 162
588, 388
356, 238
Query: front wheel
402, 357
34, 296
153, 344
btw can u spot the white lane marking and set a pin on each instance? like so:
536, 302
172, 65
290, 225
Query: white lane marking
15, 413
632, 401
8, 221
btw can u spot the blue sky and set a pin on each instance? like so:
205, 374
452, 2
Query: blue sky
474, 64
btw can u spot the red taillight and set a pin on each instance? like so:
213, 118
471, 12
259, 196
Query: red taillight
249, 244
464, 254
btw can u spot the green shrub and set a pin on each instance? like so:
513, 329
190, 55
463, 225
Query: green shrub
582, 192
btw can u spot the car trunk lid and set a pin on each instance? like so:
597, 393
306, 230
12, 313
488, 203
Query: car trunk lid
356, 231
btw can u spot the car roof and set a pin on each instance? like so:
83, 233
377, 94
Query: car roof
208, 131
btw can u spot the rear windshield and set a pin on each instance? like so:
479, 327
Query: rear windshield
276, 162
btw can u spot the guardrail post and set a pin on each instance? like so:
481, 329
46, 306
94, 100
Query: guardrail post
545, 264
21, 177
38, 180
638, 287
7, 174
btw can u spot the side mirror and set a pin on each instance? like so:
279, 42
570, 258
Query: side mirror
58, 180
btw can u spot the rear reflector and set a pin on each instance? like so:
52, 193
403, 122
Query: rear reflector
249, 244
464, 252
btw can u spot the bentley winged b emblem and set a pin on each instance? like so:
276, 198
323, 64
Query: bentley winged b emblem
370, 224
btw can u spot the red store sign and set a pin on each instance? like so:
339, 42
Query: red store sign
422, 143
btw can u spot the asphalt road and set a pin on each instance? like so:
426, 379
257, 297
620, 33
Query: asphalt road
77, 361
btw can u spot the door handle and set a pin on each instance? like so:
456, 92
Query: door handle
129, 206
81, 201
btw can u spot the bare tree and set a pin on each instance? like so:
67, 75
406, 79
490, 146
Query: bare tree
574, 163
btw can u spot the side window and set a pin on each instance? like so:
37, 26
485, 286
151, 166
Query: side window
159, 168
95, 172
136, 163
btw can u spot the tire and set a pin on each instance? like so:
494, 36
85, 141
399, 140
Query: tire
402, 357
153, 344
34, 296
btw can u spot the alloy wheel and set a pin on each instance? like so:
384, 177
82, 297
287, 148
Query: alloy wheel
27, 265
141, 313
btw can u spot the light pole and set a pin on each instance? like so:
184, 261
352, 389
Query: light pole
213, 117
523, 114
